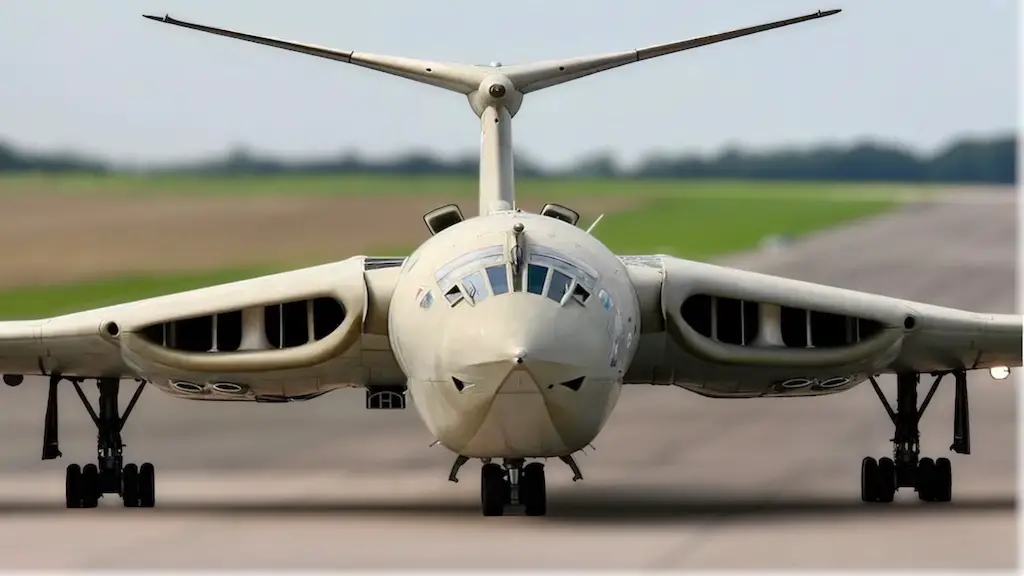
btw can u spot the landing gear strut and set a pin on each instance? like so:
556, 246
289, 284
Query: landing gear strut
84, 485
931, 479
514, 484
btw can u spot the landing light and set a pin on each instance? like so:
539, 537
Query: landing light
999, 372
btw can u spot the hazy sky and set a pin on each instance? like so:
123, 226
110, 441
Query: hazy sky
95, 76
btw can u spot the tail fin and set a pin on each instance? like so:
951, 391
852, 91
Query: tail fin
495, 93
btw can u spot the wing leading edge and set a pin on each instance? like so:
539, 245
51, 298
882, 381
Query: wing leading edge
732, 332
293, 333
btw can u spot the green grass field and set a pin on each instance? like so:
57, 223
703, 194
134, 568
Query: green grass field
702, 228
698, 220
43, 301
456, 186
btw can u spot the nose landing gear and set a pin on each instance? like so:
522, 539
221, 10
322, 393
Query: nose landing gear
513, 484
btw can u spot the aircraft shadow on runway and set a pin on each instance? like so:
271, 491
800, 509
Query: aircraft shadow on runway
595, 506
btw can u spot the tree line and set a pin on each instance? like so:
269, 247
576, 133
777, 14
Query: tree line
989, 160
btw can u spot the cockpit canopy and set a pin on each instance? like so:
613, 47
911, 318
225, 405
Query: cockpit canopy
487, 272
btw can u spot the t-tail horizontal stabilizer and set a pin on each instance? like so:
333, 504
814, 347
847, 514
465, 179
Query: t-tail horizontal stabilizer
495, 92
466, 78
455, 77
533, 77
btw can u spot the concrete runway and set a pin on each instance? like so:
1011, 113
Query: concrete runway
676, 481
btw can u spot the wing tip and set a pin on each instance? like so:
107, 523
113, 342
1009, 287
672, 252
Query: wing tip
164, 18
823, 13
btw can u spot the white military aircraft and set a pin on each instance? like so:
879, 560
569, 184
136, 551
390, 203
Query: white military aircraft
513, 333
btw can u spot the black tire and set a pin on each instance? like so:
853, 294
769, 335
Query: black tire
493, 490
926, 479
73, 486
533, 490
147, 486
869, 480
943, 480
90, 487
886, 480
130, 486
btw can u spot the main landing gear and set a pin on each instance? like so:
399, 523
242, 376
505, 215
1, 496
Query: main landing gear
84, 485
513, 483
931, 479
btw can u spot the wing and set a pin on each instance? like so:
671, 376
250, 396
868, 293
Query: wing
294, 334
732, 333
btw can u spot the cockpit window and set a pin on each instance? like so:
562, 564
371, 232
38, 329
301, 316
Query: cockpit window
454, 295
449, 274
559, 285
535, 278
564, 262
475, 286
427, 300
498, 276
580, 293
477, 275
585, 276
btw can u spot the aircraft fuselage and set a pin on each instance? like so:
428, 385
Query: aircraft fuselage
514, 352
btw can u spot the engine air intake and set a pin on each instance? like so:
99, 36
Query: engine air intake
746, 323
284, 325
